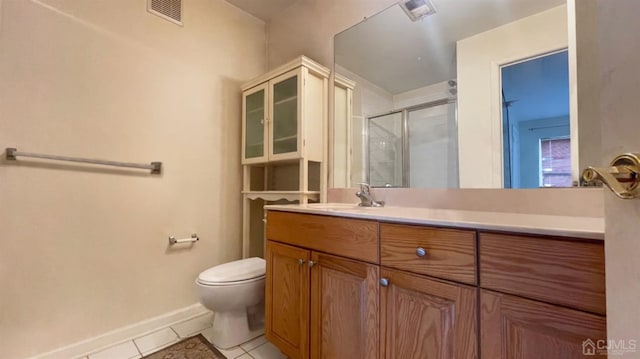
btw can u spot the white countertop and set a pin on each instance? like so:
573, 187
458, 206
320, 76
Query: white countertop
565, 226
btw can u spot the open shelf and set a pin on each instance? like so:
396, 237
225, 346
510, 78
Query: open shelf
282, 177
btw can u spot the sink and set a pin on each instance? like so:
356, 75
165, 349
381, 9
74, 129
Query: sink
332, 205
336, 206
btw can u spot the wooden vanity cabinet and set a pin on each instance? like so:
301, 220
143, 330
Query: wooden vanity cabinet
344, 308
320, 305
425, 313
338, 295
354, 308
350, 288
422, 317
541, 297
287, 302
515, 327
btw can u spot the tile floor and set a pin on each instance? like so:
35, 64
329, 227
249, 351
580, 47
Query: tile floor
258, 348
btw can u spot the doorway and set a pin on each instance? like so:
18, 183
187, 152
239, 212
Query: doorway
535, 122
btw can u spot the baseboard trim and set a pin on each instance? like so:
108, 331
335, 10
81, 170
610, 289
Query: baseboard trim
123, 334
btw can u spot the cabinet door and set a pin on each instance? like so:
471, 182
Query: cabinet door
287, 299
285, 113
344, 308
517, 328
254, 133
425, 318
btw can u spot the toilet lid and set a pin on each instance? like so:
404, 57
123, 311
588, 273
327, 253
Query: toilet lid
235, 271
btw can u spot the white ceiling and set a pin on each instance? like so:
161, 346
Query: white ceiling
262, 9
399, 55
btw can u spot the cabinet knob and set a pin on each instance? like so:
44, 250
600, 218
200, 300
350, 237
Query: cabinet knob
384, 282
262, 122
421, 252
301, 261
311, 264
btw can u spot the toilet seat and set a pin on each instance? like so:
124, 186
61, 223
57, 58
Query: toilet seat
223, 284
234, 273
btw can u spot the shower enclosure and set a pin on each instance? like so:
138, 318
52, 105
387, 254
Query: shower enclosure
413, 147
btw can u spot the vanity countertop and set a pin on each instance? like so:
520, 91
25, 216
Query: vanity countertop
565, 226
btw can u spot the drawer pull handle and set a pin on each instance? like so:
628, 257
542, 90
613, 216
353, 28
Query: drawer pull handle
384, 282
311, 264
421, 252
301, 261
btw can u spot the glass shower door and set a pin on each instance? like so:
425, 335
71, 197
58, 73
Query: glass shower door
385, 167
433, 146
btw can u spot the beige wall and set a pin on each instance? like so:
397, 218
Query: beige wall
85, 248
478, 60
307, 27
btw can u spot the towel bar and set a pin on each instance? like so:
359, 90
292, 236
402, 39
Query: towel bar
155, 167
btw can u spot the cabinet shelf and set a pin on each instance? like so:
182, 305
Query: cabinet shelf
288, 99
287, 138
255, 110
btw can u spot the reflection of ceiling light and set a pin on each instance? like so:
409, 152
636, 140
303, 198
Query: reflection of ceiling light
417, 9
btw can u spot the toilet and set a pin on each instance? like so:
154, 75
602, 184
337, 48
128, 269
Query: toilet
234, 291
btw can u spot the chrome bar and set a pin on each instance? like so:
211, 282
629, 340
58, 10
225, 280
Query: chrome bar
406, 150
173, 240
155, 167
444, 101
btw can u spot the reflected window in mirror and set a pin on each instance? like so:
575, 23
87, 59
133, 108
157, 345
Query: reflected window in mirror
535, 122
555, 162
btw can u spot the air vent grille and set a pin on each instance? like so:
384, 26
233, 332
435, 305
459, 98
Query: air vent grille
167, 9
417, 9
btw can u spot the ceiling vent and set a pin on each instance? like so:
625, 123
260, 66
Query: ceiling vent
417, 9
167, 9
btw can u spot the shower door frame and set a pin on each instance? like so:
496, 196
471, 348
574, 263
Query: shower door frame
404, 123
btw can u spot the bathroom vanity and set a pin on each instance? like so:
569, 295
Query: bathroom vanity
349, 282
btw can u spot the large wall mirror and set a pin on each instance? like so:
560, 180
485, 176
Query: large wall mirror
460, 94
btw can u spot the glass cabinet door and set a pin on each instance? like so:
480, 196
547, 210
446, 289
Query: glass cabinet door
254, 120
284, 133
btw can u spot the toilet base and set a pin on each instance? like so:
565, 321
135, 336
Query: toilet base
232, 328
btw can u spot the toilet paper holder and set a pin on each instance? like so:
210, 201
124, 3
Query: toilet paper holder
173, 240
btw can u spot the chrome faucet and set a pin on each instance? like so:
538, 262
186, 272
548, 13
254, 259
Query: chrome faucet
366, 199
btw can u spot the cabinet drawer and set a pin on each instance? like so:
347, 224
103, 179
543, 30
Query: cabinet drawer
448, 253
352, 238
562, 271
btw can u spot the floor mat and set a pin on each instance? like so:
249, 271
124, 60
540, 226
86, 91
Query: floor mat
196, 347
